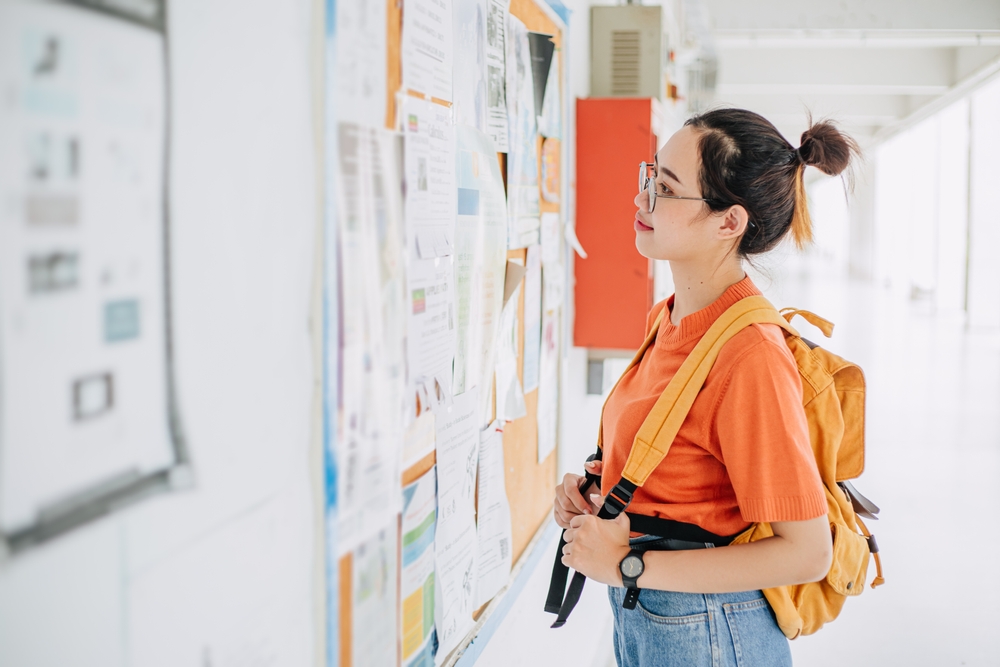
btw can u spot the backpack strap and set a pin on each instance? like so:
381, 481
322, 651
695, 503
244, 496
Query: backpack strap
664, 420
661, 426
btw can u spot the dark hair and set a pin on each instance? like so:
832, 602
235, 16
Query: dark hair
746, 161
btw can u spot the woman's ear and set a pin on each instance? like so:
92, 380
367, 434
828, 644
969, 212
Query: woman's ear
734, 222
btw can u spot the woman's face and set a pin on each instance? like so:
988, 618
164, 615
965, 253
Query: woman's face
677, 229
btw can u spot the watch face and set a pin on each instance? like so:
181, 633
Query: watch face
632, 566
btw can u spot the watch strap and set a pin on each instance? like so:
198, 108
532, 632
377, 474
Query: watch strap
631, 598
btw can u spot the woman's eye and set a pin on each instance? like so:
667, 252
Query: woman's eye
664, 190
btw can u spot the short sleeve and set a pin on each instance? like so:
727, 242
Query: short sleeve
763, 437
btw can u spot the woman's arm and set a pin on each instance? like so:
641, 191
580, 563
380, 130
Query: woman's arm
799, 552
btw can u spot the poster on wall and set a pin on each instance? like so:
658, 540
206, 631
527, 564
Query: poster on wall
417, 580
372, 365
470, 69
84, 312
496, 73
480, 260
427, 48
375, 599
523, 199
430, 216
361, 60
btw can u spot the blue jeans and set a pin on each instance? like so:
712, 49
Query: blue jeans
669, 629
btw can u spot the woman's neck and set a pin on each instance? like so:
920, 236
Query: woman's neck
695, 287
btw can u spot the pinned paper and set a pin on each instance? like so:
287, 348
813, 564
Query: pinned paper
532, 318
493, 527
515, 273
573, 241
418, 441
542, 47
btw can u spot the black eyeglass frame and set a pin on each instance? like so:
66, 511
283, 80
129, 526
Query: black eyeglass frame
649, 185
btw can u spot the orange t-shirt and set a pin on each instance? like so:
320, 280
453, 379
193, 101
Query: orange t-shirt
743, 453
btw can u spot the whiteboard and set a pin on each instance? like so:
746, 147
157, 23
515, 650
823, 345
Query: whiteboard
85, 383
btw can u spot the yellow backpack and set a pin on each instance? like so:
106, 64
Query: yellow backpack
833, 393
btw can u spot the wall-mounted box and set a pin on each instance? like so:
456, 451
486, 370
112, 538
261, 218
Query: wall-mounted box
614, 285
627, 51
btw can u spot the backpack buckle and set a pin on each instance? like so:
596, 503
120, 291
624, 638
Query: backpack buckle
617, 500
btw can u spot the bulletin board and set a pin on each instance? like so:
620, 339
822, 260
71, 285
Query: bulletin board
88, 417
531, 489
530, 477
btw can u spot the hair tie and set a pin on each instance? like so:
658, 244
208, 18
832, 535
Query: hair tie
799, 156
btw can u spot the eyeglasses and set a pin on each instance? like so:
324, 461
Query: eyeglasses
649, 185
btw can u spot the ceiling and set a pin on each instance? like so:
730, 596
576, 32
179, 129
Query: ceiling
872, 65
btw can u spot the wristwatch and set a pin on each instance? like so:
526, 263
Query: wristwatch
631, 568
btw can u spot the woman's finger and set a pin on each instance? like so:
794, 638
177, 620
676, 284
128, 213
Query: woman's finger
571, 489
596, 501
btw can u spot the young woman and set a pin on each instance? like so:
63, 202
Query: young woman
724, 188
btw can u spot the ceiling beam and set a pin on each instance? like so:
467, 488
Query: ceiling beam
840, 71
853, 15
853, 39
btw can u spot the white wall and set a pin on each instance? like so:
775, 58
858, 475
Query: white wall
221, 574
984, 208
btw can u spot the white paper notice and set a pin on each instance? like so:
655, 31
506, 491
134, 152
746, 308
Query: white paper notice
522, 158
550, 122
496, 78
480, 259
430, 178
426, 47
455, 537
430, 341
417, 580
493, 529
418, 441
368, 444
548, 386
361, 61
470, 69
551, 238
532, 317
83, 137
510, 396
375, 601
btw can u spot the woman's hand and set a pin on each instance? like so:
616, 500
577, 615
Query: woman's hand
595, 547
569, 501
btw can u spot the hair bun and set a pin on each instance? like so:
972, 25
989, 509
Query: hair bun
827, 148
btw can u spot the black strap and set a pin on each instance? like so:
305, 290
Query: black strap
676, 530
557, 585
616, 501
614, 504
560, 573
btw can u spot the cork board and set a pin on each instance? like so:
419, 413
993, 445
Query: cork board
530, 485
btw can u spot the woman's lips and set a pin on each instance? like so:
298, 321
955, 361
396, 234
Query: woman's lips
640, 227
